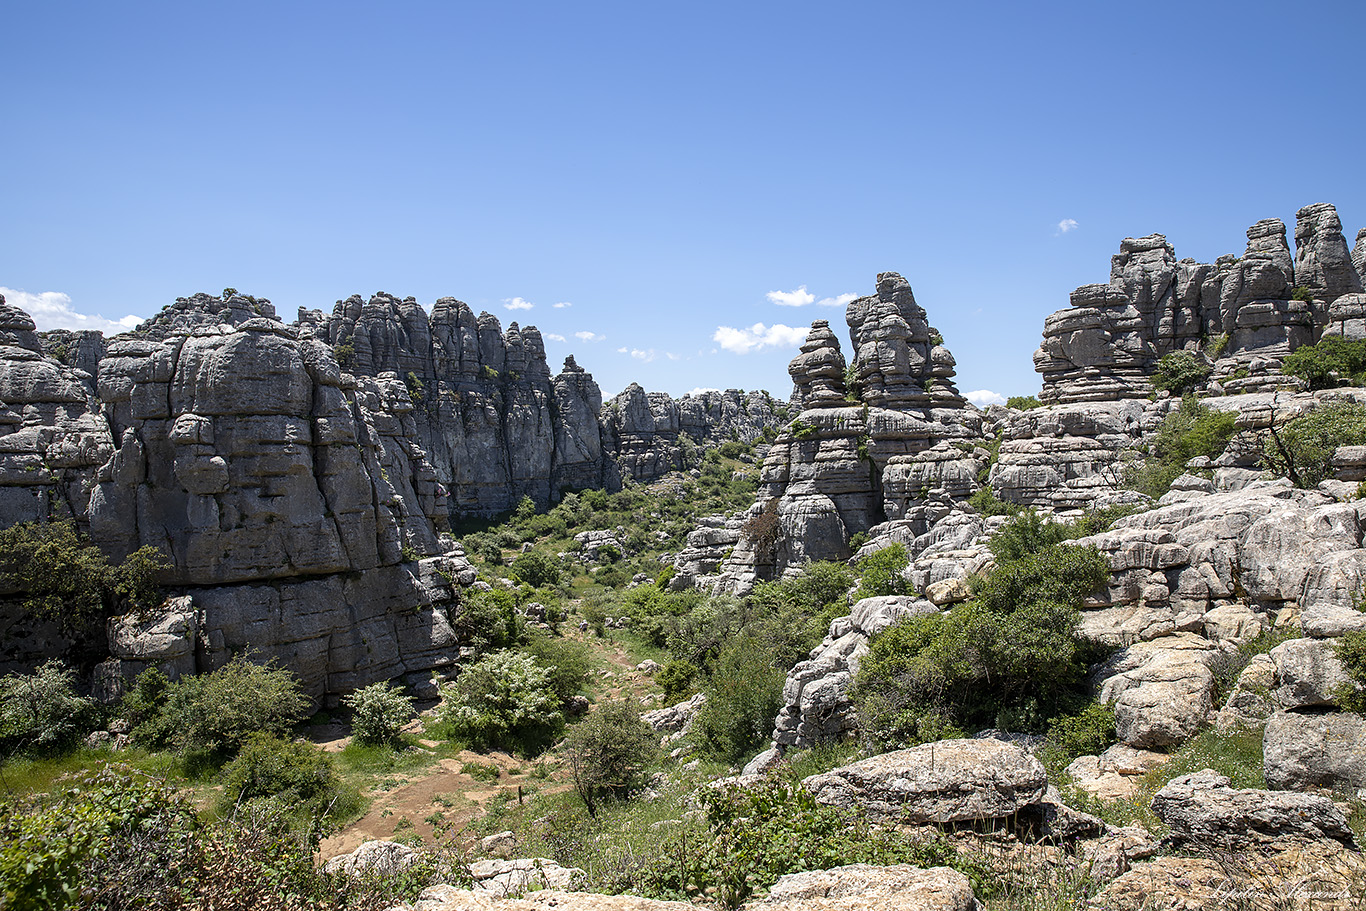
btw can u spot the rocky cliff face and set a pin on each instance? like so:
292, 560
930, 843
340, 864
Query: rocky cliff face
300, 478
494, 424
882, 456
1240, 315
645, 431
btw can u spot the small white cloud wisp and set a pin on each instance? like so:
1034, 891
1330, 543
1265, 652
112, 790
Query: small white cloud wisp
52, 310
1067, 224
586, 336
561, 305
516, 303
554, 337
758, 337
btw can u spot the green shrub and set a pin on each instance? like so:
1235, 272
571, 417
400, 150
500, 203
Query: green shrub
487, 621
1190, 431
63, 577
1023, 402
757, 834
296, 774
880, 573
41, 713
608, 751
1303, 449
1083, 733
1008, 657
378, 712
1351, 651
1333, 361
1301, 293
677, 680
744, 693
503, 701
50, 851
1025, 534
985, 501
217, 712
535, 569
1180, 371
567, 661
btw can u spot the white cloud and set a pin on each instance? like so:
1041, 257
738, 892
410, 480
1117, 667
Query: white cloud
561, 305
671, 356
646, 355
52, 310
586, 336
623, 351
799, 298
984, 397
701, 389
555, 338
516, 303
1067, 224
758, 337
839, 300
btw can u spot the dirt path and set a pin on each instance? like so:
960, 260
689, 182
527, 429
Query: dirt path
445, 796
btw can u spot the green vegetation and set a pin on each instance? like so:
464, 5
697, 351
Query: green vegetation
63, 577
218, 712
608, 752
1024, 402
1006, 658
503, 701
1333, 361
1180, 372
1190, 431
1303, 449
744, 694
41, 713
880, 573
378, 711
1351, 651
297, 777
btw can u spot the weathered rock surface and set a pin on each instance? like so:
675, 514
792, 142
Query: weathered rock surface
952, 781
515, 877
650, 434
1204, 812
1303, 751
374, 858
449, 898
862, 887
900, 440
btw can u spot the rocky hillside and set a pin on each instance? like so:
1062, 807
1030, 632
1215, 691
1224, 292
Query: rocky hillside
300, 478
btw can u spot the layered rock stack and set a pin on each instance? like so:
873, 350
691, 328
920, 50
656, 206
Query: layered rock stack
1262, 305
898, 443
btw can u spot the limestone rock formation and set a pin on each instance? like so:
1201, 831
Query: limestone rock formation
900, 887
1203, 811
650, 434
899, 441
1249, 310
485, 410
949, 781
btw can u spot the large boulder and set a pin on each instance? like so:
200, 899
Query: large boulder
1204, 812
1161, 690
1303, 751
951, 781
1309, 673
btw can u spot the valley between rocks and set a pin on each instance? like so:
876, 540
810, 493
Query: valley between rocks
1165, 710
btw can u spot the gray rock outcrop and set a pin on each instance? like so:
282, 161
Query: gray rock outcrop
951, 781
1303, 751
1204, 812
900, 887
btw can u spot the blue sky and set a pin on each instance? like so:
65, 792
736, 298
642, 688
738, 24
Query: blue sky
676, 174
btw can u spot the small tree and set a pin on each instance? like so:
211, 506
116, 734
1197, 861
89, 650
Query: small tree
880, 572
1303, 449
535, 569
608, 751
1181, 371
378, 711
